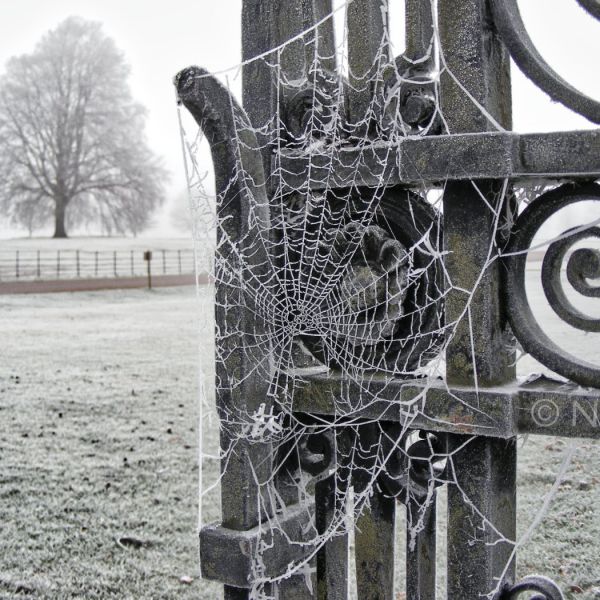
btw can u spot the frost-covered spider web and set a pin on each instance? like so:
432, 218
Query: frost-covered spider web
327, 292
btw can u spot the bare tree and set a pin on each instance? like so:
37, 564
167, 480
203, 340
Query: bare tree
72, 139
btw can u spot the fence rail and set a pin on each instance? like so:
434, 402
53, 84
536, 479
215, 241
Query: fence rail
27, 265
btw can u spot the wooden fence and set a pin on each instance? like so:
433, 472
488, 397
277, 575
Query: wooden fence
27, 265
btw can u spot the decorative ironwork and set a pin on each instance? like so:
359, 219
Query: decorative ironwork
413, 467
340, 223
385, 279
508, 20
581, 266
312, 111
542, 588
410, 106
317, 452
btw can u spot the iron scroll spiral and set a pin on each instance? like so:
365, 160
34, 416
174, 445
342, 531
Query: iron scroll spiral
509, 24
583, 265
541, 587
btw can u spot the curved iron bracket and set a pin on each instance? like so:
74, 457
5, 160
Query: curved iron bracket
513, 33
242, 262
239, 172
591, 6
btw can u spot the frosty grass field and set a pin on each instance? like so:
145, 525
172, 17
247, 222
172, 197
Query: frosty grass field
98, 455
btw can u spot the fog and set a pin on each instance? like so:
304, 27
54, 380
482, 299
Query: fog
158, 39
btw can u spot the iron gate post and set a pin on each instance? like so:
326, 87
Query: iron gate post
482, 499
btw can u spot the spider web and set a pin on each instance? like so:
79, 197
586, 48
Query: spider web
341, 281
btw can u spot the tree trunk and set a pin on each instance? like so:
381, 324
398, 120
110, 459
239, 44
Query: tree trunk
60, 211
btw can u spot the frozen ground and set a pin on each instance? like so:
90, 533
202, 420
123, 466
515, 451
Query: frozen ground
98, 422
98, 430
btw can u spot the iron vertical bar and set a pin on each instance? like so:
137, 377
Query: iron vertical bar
419, 55
420, 554
481, 516
419, 31
115, 263
259, 87
77, 262
368, 52
482, 498
375, 527
321, 11
374, 537
268, 24
331, 505
259, 99
332, 558
475, 68
17, 264
38, 266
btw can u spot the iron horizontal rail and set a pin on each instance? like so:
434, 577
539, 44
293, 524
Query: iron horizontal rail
415, 160
544, 407
227, 555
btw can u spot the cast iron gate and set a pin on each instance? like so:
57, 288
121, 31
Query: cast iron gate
353, 159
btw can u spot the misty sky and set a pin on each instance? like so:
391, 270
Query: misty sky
159, 38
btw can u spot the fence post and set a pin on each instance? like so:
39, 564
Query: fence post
179, 260
131, 261
58, 264
38, 269
148, 259
115, 263
164, 262
77, 263
96, 263
17, 264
